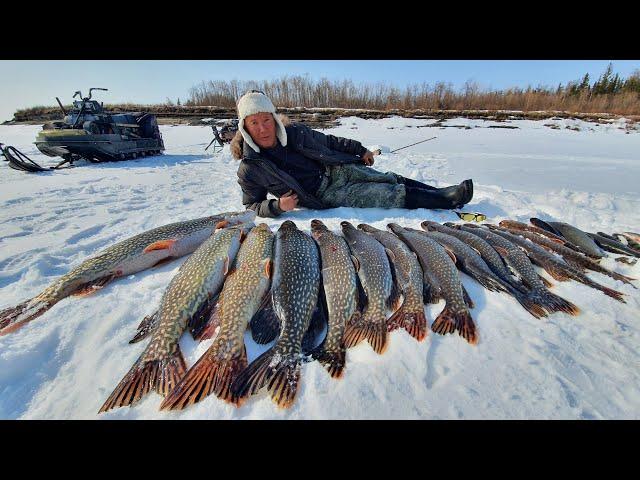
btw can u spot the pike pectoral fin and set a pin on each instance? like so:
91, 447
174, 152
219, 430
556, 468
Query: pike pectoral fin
159, 245
451, 254
356, 263
268, 268
92, 287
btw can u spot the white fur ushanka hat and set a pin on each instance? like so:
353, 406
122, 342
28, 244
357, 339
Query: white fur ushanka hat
255, 102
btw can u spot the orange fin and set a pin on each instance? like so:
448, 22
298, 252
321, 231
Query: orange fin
451, 254
268, 268
160, 245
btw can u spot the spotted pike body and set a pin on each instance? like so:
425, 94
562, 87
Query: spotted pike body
243, 291
484, 248
376, 278
444, 279
198, 280
572, 257
556, 267
512, 224
129, 256
294, 295
341, 293
574, 235
468, 260
520, 263
410, 281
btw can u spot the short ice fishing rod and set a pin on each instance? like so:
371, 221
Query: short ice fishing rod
422, 141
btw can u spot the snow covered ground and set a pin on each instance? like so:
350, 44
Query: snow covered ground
65, 364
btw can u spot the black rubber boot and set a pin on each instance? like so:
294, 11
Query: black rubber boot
447, 198
408, 182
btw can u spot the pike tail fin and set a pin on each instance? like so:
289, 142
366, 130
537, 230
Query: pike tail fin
160, 375
374, 330
280, 373
553, 303
530, 303
449, 321
13, 318
413, 322
333, 360
210, 374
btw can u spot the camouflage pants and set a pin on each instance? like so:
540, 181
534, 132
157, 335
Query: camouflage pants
354, 185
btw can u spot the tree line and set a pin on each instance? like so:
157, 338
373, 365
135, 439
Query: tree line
610, 93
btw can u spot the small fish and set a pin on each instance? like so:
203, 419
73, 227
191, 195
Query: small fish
339, 280
410, 281
573, 234
129, 256
243, 291
613, 245
571, 256
521, 264
470, 262
557, 268
199, 279
376, 278
438, 264
294, 293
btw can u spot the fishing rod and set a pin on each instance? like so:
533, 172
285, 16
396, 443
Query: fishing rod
422, 141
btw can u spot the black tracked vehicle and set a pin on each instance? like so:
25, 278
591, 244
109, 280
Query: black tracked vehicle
88, 132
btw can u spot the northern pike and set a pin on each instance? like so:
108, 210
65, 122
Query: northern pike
467, 259
570, 256
632, 239
613, 245
294, 294
339, 280
521, 264
127, 257
484, 248
243, 291
198, 280
531, 228
556, 267
438, 265
376, 278
410, 281
573, 234
471, 262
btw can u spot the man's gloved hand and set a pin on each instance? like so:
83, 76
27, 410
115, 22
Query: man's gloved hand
288, 201
367, 158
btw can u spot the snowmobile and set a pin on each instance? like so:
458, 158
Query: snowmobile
88, 132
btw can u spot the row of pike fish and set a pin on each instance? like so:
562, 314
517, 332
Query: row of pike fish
289, 286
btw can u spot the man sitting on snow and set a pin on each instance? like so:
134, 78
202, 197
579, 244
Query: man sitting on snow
302, 166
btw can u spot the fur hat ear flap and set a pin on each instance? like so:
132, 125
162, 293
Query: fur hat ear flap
257, 102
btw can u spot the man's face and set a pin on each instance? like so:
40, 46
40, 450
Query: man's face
262, 128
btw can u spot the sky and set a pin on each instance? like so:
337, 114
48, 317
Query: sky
27, 83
